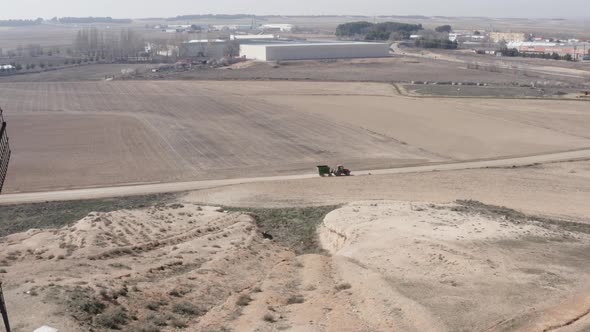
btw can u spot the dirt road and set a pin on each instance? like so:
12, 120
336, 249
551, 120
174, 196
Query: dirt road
152, 188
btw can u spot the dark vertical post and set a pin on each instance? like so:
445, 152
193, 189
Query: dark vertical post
4, 159
4, 151
3, 310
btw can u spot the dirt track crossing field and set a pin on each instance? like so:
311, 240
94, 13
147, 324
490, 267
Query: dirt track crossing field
75, 135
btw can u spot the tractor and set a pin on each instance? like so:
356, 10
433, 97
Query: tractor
324, 170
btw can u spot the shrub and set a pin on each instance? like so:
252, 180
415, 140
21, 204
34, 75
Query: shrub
80, 300
187, 308
178, 323
157, 320
153, 305
295, 299
343, 286
113, 319
144, 328
269, 318
244, 300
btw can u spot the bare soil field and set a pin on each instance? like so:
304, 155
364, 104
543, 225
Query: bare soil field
72, 135
94, 72
424, 66
441, 125
44, 35
539, 72
393, 69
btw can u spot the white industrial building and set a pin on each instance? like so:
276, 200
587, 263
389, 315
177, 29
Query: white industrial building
277, 27
214, 49
311, 50
252, 37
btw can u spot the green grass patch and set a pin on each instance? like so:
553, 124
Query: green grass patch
22, 217
295, 228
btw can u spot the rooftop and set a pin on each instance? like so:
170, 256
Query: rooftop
280, 43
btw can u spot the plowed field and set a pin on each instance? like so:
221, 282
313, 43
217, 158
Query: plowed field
84, 134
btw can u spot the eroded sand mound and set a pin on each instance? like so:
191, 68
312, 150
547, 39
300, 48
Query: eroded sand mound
153, 269
433, 267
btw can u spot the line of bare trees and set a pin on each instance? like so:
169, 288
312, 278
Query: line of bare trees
109, 45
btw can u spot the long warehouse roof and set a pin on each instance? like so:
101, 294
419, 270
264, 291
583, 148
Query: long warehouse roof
316, 44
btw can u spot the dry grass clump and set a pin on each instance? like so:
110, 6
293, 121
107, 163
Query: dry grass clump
158, 320
154, 305
343, 286
187, 308
113, 319
244, 300
83, 303
295, 299
268, 317
144, 327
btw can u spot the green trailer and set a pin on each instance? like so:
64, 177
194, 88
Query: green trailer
324, 170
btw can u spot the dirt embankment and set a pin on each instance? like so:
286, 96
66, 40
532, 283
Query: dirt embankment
157, 268
175, 266
393, 266
459, 267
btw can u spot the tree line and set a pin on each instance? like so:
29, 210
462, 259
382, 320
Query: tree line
513, 52
442, 43
209, 16
17, 67
87, 20
438, 38
435, 39
109, 45
20, 23
377, 31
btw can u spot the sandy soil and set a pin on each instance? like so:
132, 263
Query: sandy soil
150, 263
426, 267
394, 266
205, 130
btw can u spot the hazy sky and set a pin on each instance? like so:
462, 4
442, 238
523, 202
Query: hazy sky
159, 8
